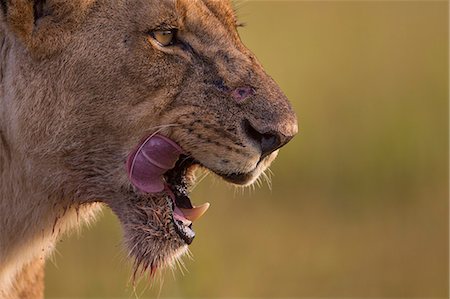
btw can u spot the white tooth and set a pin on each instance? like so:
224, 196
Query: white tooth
196, 212
178, 215
187, 222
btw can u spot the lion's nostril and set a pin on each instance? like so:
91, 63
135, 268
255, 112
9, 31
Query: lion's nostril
268, 141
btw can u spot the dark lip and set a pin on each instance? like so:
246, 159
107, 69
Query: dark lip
236, 178
186, 233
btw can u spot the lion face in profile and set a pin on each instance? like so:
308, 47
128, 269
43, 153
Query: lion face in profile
101, 79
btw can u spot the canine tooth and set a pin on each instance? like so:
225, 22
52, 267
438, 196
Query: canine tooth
196, 212
179, 215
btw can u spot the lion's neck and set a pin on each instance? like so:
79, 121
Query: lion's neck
32, 216
31, 221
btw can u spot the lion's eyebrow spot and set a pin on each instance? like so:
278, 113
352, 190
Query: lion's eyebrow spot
220, 85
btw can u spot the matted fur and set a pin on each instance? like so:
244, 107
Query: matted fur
81, 82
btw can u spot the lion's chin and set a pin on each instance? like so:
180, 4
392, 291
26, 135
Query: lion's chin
150, 235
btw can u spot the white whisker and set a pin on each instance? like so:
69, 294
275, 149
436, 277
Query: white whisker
268, 179
161, 127
198, 181
190, 255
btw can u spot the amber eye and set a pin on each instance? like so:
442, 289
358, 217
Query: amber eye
164, 37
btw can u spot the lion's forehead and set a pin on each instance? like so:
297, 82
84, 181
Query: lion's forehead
194, 15
220, 10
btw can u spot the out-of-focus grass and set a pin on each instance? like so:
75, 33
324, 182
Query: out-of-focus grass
359, 205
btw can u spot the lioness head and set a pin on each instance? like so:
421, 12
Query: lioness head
119, 101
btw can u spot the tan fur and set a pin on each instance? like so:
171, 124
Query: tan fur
29, 282
82, 84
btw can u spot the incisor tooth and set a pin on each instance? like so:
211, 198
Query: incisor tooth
196, 212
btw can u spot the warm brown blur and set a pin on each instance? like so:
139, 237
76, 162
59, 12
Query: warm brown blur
359, 203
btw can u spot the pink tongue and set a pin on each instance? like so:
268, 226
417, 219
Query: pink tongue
147, 164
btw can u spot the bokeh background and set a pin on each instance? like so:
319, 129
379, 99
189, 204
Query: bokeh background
359, 200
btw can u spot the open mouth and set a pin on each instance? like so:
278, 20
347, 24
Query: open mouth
159, 165
178, 181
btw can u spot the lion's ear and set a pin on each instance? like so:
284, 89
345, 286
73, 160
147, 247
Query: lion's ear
42, 24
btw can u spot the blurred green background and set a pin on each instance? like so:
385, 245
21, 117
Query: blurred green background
359, 204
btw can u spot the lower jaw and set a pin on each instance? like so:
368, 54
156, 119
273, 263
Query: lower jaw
150, 236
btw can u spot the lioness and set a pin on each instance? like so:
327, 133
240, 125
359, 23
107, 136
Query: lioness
117, 102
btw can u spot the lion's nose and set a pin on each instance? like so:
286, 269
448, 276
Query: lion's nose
268, 141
